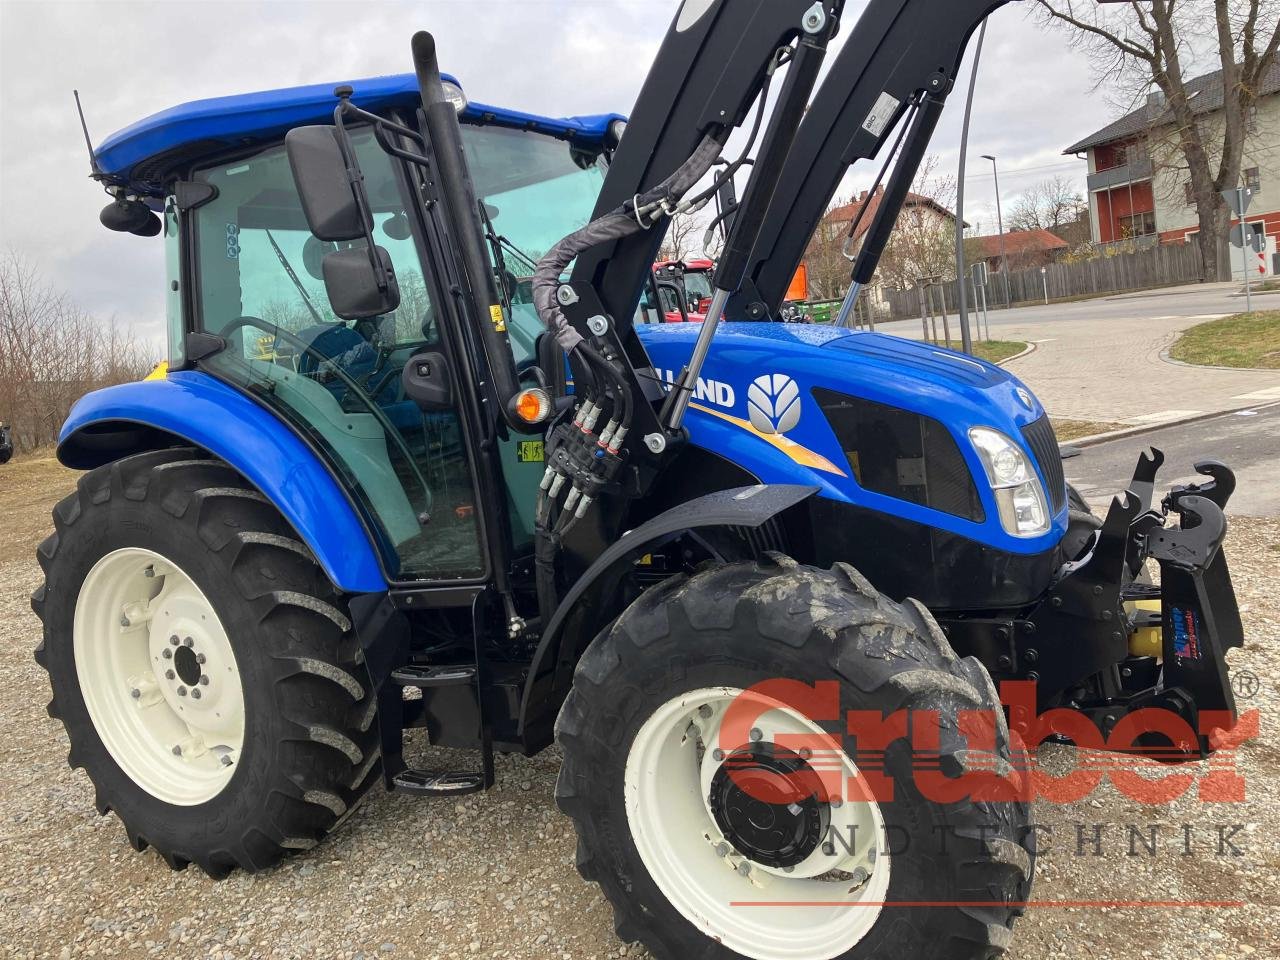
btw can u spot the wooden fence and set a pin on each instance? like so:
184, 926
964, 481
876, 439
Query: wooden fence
1165, 265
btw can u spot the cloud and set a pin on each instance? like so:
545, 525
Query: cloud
131, 58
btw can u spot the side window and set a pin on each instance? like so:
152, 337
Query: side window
261, 286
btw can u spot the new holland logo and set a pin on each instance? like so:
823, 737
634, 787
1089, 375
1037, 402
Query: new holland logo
773, 402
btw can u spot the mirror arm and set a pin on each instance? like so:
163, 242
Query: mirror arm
356, 178
383, 128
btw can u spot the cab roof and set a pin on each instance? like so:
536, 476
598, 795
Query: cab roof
142, 153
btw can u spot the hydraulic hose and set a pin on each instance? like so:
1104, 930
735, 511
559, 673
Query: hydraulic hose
625, 220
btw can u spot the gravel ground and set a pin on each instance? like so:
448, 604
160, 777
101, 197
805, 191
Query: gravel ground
494, 877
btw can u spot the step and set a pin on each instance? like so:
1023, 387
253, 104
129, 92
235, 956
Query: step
439, 675
443, 783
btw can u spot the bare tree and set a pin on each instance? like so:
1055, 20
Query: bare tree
1148, 47
923, 242
52, 353
683, 239
1048, 205
829, 271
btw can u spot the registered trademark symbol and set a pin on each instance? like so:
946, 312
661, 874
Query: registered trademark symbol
1245, 684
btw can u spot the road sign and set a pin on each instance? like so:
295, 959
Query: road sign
1238, 200
980, 274
1257, 241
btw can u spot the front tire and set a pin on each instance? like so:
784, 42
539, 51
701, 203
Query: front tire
640, 814
204, 667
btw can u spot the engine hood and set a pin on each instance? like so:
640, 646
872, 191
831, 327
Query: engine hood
755, 404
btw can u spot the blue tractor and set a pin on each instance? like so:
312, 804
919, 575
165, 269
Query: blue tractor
417, 463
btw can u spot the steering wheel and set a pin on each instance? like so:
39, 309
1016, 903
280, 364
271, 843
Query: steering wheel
322, 360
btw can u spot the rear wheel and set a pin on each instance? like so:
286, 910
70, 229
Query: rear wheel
712, 838
203, 666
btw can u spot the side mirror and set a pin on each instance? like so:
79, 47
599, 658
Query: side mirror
320, 173
359, 281
352, 283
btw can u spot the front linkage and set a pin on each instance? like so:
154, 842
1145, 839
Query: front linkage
1096, 643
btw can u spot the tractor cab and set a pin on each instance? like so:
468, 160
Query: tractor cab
247, 275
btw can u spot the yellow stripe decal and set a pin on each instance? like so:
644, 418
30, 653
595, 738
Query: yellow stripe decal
800, 454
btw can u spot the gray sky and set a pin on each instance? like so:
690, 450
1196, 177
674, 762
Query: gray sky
558, 57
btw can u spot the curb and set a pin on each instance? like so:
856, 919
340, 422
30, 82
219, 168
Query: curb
1165, 356
1138, 431
1031, 348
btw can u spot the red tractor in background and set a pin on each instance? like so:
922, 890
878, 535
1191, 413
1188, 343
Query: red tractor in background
687, 284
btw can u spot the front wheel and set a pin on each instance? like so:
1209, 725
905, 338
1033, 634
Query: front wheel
723, 819
203, 666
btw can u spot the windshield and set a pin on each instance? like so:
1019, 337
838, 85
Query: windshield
536, 189
697, 283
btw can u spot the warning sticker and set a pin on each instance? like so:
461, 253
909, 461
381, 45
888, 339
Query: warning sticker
1186, 638
530, 451
886, 106
499, 322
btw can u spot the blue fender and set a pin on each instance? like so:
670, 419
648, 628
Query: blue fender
118, 421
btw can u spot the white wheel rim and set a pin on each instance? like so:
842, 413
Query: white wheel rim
158, 676
820, 907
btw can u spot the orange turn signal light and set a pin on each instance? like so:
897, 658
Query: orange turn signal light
532, 405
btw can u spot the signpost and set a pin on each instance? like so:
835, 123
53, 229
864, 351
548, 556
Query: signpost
980, 283
1241, 236
1044, 275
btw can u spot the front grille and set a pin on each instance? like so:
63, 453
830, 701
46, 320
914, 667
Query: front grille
901, 454
1044, 445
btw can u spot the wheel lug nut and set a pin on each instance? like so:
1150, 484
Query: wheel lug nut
744, 868
169, 674
124, 621
805, 753
755, 734
177, 750
173, 640
705, 711
167, 653
149, 572
226, 761
722, 849
195, 694
829, 849
204, 680
200, 658
717, 754
135, 693
188, 642
182, 691
836, 803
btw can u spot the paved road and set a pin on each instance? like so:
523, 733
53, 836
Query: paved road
1102, 360
1247, 444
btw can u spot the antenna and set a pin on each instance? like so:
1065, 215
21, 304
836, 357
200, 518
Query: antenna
94, 170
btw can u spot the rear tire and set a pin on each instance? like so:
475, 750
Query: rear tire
735, 626
309, 746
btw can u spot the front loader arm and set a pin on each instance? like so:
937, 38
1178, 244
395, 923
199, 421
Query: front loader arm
900, 51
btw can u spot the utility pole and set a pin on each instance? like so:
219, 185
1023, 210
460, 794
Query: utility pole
966, 341
1004, 260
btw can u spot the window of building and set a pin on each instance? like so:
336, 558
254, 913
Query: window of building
1138, 225
1253, 180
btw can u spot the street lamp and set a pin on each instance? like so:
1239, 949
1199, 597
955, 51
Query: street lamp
1004, 260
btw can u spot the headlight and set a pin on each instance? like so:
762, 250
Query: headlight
1020, 498
453, 93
